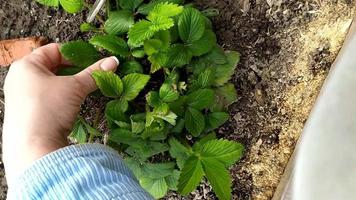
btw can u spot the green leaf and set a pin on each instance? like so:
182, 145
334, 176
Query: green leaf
80, 53
191, 175
204, 80
156, 187
218, 177
179, 152
109, 83
225, 96
161, 23
179, 55
137, 126
225, 151
152, 46
86, 27
178, 128
191, 25
167, 93
134, 166
133, 84
146, 8
201, 99
224, 72
119, 22
156, 131
72, 6
130, 67
170, 117
216, 56
216, 119
194, 121
153, 99
146, 149
140, 32
54, 3
138, 53
115, 117
172, 180
199, 144
112, 43
164, 37
204, 44
158, 60
130, 5
164, 10
158, 170
125, 136
119, 105
78, 133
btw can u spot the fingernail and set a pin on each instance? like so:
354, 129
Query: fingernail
109, 64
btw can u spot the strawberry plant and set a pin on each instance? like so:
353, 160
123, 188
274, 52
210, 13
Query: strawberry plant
168, 96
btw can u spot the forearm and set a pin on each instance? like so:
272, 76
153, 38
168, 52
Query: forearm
88, 171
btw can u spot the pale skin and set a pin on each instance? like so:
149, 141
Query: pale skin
40, 107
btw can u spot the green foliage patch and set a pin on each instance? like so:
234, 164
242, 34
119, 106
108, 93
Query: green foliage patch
169, 94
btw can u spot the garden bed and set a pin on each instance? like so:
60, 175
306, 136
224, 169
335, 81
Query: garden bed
287, 49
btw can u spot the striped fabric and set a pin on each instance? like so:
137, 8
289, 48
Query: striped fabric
86, 171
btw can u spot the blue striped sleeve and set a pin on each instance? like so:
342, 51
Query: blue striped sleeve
85, 171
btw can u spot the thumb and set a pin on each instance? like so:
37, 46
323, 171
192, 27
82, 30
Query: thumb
85, 78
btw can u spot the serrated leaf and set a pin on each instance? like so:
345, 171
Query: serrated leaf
126, 137
179, 106
80, 53
178, 128
170, 118
216, 119
191, 175
140, 32
156, 187
172, 180
164, 10
138, 53
158, 60
130, 67
179, 152
112, 43
200, 99
161, 23
164, 37
153, 99
78, 133
199, 144
167, 93
133, 84
224, 72
194, 121
86, 27
225, 151
158, 170
191, 25
137, 127
204, 44
109, 83
216, 56
146, 149
204, 80
130, 4
179, 55
152, 46
225, 96
119, 22
115, 117
119, 105
72, 6
156, 131
54, 3
134, 166
146, 8
218, 177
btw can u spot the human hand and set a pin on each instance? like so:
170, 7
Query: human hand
40, 107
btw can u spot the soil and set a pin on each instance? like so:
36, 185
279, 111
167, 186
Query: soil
287, 48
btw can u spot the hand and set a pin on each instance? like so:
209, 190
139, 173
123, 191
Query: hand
40, 107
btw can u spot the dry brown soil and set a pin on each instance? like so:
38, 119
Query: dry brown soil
287, 48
